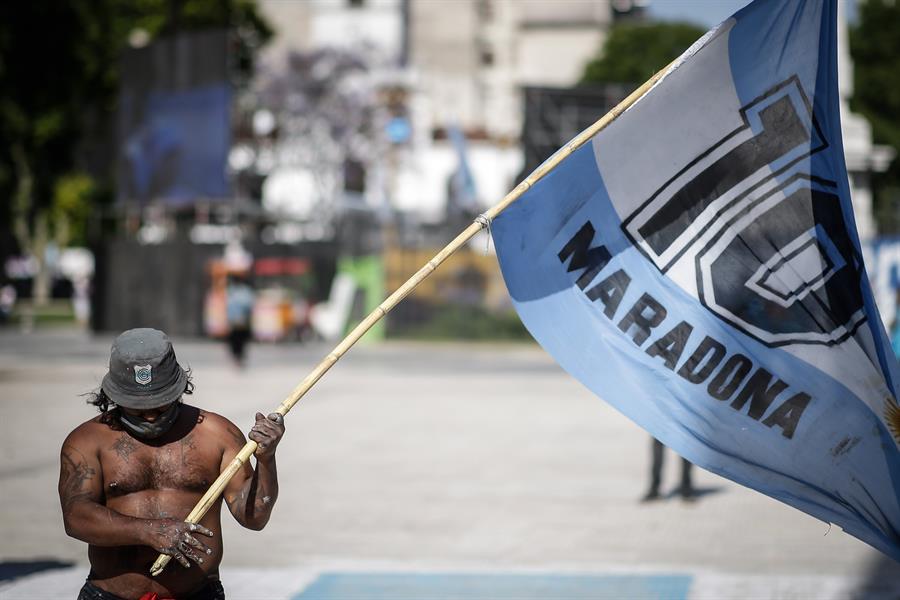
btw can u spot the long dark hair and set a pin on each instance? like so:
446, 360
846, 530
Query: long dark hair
109, 412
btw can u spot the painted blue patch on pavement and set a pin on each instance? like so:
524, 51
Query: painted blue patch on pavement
446, 586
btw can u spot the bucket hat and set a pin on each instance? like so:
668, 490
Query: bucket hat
143, 371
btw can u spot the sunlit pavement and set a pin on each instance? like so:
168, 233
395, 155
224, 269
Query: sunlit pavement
427, 471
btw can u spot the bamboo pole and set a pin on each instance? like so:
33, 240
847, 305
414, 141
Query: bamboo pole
212, 494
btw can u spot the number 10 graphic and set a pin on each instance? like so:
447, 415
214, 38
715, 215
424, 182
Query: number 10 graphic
766, 240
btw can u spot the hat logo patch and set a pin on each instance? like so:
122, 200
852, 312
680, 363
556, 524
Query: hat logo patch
143, 374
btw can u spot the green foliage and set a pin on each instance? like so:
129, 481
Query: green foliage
73, 201
633, 52
48, 80
875, 48
454, 322
165, 16
157, 17
54, 313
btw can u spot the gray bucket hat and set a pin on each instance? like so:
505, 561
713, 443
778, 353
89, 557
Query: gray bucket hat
143, 371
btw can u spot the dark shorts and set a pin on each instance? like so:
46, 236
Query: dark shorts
213, 590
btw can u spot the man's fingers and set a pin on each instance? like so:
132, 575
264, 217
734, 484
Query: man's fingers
268, 426
194, 557
174, 553
194, 542
196, 527
186, 551
266, 434
267, 431
262, 440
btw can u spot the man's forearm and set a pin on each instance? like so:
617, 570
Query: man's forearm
260, 494
96, 524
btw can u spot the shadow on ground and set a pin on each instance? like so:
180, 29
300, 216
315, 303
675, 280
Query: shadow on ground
696, 493
13, 569
881, 581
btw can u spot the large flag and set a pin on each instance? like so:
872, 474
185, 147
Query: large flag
696, 264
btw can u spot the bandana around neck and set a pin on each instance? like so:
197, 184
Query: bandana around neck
147, 430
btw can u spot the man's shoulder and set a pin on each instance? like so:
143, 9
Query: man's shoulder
89, 433
220, 426
215, 419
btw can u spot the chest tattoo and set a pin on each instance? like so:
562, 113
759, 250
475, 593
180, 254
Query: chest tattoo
187, 446
124, 447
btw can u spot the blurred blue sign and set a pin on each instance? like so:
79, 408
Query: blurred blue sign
398, 130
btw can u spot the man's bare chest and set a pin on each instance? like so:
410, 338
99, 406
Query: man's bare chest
130, 466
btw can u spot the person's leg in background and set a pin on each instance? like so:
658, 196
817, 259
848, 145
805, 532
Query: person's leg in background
686, 489
657, 450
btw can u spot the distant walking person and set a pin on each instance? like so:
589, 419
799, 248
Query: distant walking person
685, 489
238, 308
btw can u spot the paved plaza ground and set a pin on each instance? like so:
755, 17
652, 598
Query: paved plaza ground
419, 470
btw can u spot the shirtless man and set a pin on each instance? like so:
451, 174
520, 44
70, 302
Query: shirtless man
130, 475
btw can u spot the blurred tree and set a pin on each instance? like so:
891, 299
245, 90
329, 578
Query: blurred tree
633, 52
875, 49
55, 61
58, 69
156, 18
73, 199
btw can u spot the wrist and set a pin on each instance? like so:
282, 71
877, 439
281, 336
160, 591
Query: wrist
267, 461
146, 531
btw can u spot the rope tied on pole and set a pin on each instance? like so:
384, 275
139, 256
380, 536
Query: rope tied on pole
485, 221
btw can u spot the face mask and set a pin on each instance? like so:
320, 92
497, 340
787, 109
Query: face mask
147, 430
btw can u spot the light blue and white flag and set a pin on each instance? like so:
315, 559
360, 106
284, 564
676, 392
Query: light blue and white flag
696, 265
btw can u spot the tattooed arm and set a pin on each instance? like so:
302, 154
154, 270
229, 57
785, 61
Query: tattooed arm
87, 519
251, 494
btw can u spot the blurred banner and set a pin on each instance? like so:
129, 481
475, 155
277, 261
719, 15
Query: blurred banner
553, 116
697, 266
174, 130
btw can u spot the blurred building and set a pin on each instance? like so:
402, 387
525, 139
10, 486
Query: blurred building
469, 58
454, 73
378, 26
475, 57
